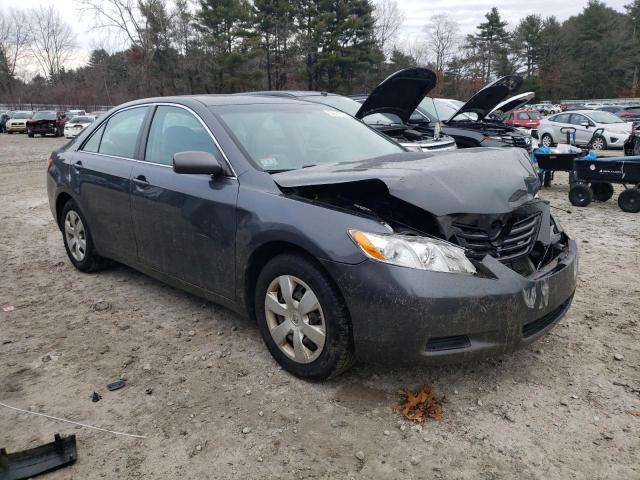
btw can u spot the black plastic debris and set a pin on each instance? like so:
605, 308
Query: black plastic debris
95, 397
148, 391
117, 385
35, 461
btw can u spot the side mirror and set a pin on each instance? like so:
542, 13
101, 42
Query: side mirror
585, 124
202, 163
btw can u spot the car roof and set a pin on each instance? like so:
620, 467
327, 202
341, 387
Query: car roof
220, 99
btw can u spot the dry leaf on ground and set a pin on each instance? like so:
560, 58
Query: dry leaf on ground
421, 405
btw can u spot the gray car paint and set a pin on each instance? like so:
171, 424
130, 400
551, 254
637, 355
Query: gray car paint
204, 220
481, 180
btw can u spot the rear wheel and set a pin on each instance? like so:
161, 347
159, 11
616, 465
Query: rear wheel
580, 195
629, 200
602, 191
77, 239
303, 319
546, 140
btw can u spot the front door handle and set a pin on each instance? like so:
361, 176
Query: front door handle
141, 181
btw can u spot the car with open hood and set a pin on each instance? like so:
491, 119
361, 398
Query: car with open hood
387, 109
468, 122
336, 240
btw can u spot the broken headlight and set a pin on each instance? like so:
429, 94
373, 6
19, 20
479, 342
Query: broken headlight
410, 251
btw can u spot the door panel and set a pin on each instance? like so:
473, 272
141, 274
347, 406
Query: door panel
583, 134
184, 224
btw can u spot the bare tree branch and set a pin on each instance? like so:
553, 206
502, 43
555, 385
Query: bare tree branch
15, 37
53, 41
443, 37
389, 20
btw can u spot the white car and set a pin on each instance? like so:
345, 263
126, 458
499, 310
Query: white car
17, 122
74, 126
615, 130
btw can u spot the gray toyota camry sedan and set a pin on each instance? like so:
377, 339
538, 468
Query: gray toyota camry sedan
338, 242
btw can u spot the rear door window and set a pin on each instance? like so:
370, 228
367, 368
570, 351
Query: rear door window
121, 133
174, 130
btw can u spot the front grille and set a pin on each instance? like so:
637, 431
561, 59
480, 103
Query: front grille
546, 320
507, 244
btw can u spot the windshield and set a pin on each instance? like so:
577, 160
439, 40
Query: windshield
20, 115
604, 117
44, 116
351, 106
280, 137
81, 120
442, 110
530, 115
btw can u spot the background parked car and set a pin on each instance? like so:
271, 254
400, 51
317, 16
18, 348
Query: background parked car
46, 122
525, 118
4, 116
627, 113
78, 123
467, 122
17, 122
586, 122
74, 113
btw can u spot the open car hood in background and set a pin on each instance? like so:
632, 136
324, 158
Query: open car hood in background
400, 93
487, 99
478, 180
513, 103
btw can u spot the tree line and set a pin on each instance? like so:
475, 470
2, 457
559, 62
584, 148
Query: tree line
343, 46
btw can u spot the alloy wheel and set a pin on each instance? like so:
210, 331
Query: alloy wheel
295, 319
546, 141
75, 235
598, 143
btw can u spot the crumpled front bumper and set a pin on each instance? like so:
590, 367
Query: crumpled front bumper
403, 315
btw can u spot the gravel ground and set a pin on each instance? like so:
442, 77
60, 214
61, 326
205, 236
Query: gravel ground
221, 408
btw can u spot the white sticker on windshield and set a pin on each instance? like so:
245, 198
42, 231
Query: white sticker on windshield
268, 162
335, 113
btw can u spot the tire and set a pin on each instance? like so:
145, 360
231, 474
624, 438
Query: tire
599, 143
629, 200
309, 359
546, 140
602, 191
580, 195
89, 261
30, 134
10, 133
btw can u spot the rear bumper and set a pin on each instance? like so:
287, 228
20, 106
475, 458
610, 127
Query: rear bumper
402, 315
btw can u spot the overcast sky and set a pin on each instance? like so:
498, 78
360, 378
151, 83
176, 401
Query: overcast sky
468, 13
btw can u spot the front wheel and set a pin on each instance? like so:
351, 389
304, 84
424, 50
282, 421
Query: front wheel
599, 143
629, 200
77, 239
303, 319
546, 140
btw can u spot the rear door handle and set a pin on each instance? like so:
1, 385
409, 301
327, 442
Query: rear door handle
78, 165
141, 181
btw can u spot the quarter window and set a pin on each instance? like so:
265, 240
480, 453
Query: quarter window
174, 130
121, 133
93, 144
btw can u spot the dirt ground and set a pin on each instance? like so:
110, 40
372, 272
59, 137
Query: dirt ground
563, 408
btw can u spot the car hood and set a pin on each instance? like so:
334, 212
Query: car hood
512, 103
616, 127
479, 180
400, 93
487, 99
